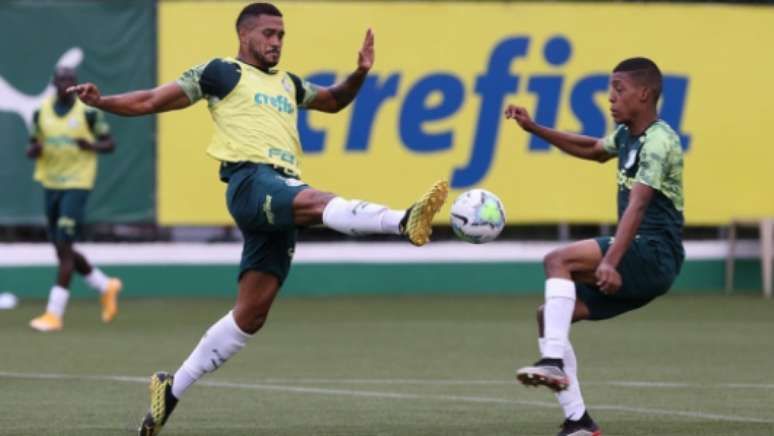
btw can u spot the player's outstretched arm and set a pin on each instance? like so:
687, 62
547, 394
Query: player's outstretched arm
337, 97
164, 98
608, 278
584, 147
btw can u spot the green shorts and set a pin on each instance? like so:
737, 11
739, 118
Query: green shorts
647, 270
260, 199
65, 213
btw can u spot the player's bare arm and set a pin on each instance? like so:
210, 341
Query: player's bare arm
581, 146
103, 144
608, 278
164, 98
337, 97
35, 149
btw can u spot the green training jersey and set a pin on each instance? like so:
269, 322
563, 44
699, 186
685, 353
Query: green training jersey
654, 158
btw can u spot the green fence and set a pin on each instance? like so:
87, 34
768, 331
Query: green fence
332, 279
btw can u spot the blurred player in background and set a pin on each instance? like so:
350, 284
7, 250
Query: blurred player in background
604, 277
66, 137
254, 107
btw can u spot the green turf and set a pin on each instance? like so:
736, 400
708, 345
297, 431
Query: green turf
394, 366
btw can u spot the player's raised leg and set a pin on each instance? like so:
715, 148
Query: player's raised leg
358, 217
558, 369
108, 287
560, 309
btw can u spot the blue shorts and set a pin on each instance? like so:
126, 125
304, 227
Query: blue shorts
647, 270
65, 213
260, 199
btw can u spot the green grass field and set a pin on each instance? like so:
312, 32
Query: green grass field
688, 365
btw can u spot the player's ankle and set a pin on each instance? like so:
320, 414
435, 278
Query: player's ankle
586, 419
549, 361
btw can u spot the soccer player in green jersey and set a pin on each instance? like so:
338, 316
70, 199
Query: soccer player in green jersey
602, 278
66, 137
254, 107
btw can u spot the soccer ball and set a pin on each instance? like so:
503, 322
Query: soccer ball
477, 216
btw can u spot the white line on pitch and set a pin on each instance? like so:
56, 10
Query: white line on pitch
438, 382
392, 395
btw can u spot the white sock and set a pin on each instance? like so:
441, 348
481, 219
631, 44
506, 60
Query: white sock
570, 399
356, 217
557, 316
222, 340
97, 280
57, 300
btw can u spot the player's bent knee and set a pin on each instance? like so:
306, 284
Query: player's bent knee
309, 205
554, 263
312, 199
250, 316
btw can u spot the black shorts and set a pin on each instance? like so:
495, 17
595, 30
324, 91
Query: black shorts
260, 199
647, 270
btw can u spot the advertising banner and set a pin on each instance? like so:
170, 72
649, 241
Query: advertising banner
433, 104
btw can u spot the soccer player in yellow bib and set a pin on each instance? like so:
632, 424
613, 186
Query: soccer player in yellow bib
254, 107
66, 137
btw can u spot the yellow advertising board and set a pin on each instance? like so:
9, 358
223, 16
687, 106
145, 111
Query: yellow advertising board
432, 105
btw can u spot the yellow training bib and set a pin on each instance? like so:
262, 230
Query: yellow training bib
63, 165
256, 121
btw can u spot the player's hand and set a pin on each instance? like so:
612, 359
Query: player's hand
608, 278
85, 145
518, 113
365, 57
34, 150
87, 92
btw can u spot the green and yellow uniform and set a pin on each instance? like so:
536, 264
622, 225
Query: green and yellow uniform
656, 255
66, 172
257, 142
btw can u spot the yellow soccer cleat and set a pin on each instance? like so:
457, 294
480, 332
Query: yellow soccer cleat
109, 299
417, 225
48, 322
162, 403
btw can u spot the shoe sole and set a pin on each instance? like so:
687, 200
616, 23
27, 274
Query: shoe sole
585, 433
534, 380
43, 329
420, 222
